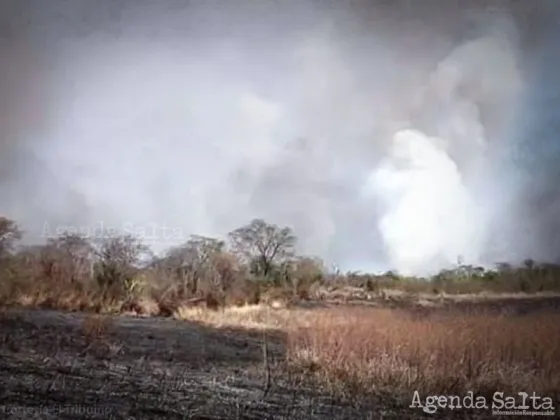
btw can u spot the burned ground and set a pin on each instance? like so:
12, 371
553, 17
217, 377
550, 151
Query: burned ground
146, 368
56, 365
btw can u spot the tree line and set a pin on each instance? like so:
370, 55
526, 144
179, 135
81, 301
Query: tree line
256, 260
256, 256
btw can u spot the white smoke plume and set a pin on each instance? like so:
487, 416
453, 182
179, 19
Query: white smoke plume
430, 218
434, 215
375, 129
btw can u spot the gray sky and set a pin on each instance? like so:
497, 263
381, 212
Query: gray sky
175, 117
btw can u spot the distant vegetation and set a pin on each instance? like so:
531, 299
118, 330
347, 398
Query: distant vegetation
256, 263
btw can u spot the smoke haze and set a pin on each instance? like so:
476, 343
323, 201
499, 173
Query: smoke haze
390, 135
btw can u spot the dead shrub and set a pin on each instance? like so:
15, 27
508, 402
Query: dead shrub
167, 307
141, 306
96, 326
213, 301
277, 297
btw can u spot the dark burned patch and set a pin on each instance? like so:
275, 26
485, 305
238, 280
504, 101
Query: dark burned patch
149, 368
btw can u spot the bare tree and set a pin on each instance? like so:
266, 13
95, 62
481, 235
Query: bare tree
529, 264
263, 245
9, 235
191, 262
119, 260
299, 273
72, 255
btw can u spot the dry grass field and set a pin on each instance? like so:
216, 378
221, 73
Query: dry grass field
266, 361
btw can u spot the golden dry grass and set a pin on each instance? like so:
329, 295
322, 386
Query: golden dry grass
352, 350
357, 350
247, 316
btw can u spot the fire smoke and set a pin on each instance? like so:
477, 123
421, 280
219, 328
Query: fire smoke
387, 134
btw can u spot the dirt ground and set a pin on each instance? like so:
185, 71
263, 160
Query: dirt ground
156, 368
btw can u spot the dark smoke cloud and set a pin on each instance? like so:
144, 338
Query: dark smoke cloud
204, 114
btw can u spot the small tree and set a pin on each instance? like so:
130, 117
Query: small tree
302, 272
263, 245
193, 261
529, 264
73, 256
118, 262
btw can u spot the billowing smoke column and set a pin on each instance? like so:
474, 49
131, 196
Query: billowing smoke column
434, 208
430, 218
